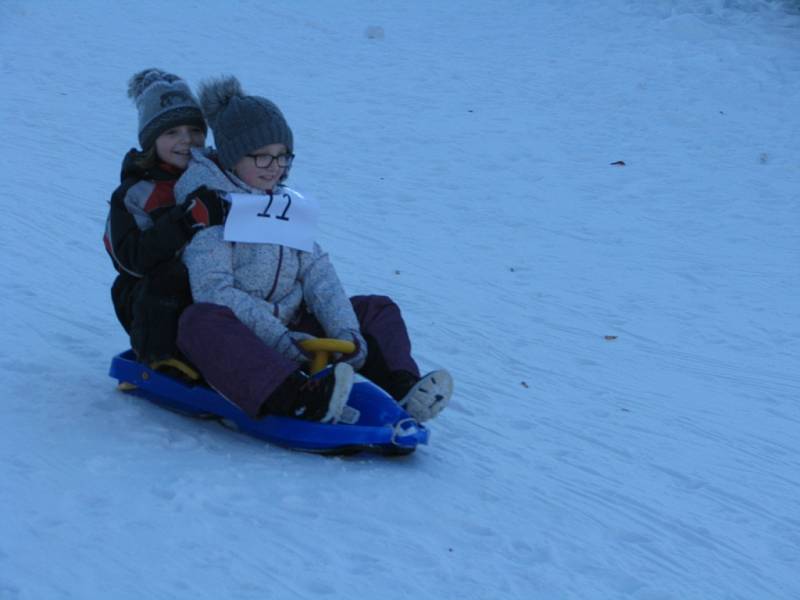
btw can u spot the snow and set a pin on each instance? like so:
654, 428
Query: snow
624, 339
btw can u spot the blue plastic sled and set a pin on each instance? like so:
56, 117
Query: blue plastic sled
375, 421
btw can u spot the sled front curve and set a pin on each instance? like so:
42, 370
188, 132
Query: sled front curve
375, 421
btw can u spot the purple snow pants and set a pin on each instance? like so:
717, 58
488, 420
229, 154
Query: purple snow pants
236, 363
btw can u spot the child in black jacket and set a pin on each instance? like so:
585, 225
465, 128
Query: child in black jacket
146, 231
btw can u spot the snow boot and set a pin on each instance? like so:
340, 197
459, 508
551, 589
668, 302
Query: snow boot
428, 396
322, 398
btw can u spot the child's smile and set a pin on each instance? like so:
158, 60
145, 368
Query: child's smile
175, 144
262, 178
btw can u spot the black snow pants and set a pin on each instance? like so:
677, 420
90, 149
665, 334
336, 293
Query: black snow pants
149, 308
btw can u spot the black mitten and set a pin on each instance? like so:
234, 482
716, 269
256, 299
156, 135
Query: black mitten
205, 207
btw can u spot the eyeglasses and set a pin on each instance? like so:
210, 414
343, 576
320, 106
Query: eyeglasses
263, 161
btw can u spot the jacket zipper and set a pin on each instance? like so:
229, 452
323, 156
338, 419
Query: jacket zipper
277, 274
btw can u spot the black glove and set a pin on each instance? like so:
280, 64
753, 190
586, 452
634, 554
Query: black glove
205, 208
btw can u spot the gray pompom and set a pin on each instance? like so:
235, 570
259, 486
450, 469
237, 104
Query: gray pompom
215, 94
144, 79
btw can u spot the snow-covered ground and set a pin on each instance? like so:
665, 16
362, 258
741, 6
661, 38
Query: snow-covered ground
624, 339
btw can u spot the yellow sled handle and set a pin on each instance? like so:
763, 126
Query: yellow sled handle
322, 347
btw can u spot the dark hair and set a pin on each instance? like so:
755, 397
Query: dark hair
147, 159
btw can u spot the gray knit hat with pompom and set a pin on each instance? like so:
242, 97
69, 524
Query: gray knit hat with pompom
164, 101
241, 124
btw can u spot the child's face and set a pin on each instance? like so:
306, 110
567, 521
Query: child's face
264, 178
173, 145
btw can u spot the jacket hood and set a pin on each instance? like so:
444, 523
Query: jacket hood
204, 171
131, 169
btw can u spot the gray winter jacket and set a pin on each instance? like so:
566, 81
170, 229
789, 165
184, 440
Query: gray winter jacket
263, 284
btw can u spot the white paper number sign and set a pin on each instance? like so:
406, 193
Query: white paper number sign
285, 217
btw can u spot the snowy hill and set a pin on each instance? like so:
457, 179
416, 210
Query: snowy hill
624, 338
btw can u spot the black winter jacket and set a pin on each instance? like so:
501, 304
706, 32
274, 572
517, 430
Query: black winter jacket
145, 228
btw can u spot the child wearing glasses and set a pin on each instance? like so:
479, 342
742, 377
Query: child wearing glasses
145, 229
256, 301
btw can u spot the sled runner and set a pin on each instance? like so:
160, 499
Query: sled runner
372, 420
